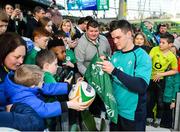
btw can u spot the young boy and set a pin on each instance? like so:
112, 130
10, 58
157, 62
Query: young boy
47, 61
162, 59
41, 38
172, 86
3, 22
25, 85
58, 47
70, 56
64, 70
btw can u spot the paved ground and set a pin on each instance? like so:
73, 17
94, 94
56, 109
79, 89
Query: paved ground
150, 128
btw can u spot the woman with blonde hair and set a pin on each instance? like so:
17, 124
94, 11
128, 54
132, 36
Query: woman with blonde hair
67, 27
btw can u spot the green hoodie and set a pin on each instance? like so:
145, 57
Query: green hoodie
172, 86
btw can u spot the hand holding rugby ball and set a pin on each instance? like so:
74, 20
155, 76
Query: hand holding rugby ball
84, 92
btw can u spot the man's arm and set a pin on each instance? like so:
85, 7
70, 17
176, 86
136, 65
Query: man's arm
135, 84
79, 53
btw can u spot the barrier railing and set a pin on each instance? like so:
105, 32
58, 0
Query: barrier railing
177, 113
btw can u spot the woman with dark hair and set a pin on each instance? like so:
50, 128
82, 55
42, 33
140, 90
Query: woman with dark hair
16, 22
18, 116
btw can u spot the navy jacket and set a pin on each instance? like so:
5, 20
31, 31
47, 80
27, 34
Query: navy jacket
22, 117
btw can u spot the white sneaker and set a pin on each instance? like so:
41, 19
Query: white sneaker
149, 121
157, 122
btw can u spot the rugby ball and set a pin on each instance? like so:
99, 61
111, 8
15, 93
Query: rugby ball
84, 92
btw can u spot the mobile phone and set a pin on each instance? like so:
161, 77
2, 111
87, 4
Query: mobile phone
70, 75
17, 6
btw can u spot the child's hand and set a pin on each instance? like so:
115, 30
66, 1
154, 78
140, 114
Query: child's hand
74, 104
157, 77
80, 79
68, 80
8, 107
70, 64
172, 106
73, 44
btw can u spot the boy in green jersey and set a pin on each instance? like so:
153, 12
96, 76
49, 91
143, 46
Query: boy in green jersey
164, 63
41, 38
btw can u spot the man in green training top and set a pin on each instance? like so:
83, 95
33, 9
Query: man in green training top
130, 67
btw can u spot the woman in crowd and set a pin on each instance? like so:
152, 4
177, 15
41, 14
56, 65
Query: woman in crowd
16, 23
17, 116
46, 23
68, 28
140, 40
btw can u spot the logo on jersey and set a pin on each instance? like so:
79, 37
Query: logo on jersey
130, 62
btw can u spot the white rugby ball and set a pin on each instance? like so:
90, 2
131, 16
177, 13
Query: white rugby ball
84, 92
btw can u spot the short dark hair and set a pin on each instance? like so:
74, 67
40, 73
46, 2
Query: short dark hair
59, 33
88, 18
37, 9
54, 43
45, 56
81, 20
163, 25
8, 43
124, 25
169, 37
92, 23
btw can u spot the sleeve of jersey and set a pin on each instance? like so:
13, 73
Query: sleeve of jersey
174, 63
134, 84
55, 88
139, 82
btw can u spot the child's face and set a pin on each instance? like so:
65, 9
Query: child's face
53, 67
60, 52
3, 27
41, 41
9, 9
164, 45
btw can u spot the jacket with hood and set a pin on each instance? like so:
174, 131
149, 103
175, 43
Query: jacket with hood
30, 96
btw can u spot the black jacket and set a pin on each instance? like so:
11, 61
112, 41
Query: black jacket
31, 25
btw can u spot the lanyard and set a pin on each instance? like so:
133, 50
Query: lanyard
5, 68
96, 44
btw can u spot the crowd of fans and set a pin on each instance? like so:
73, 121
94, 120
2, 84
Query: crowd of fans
39, 54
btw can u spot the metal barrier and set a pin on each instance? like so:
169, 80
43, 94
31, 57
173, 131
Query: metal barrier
177, 113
